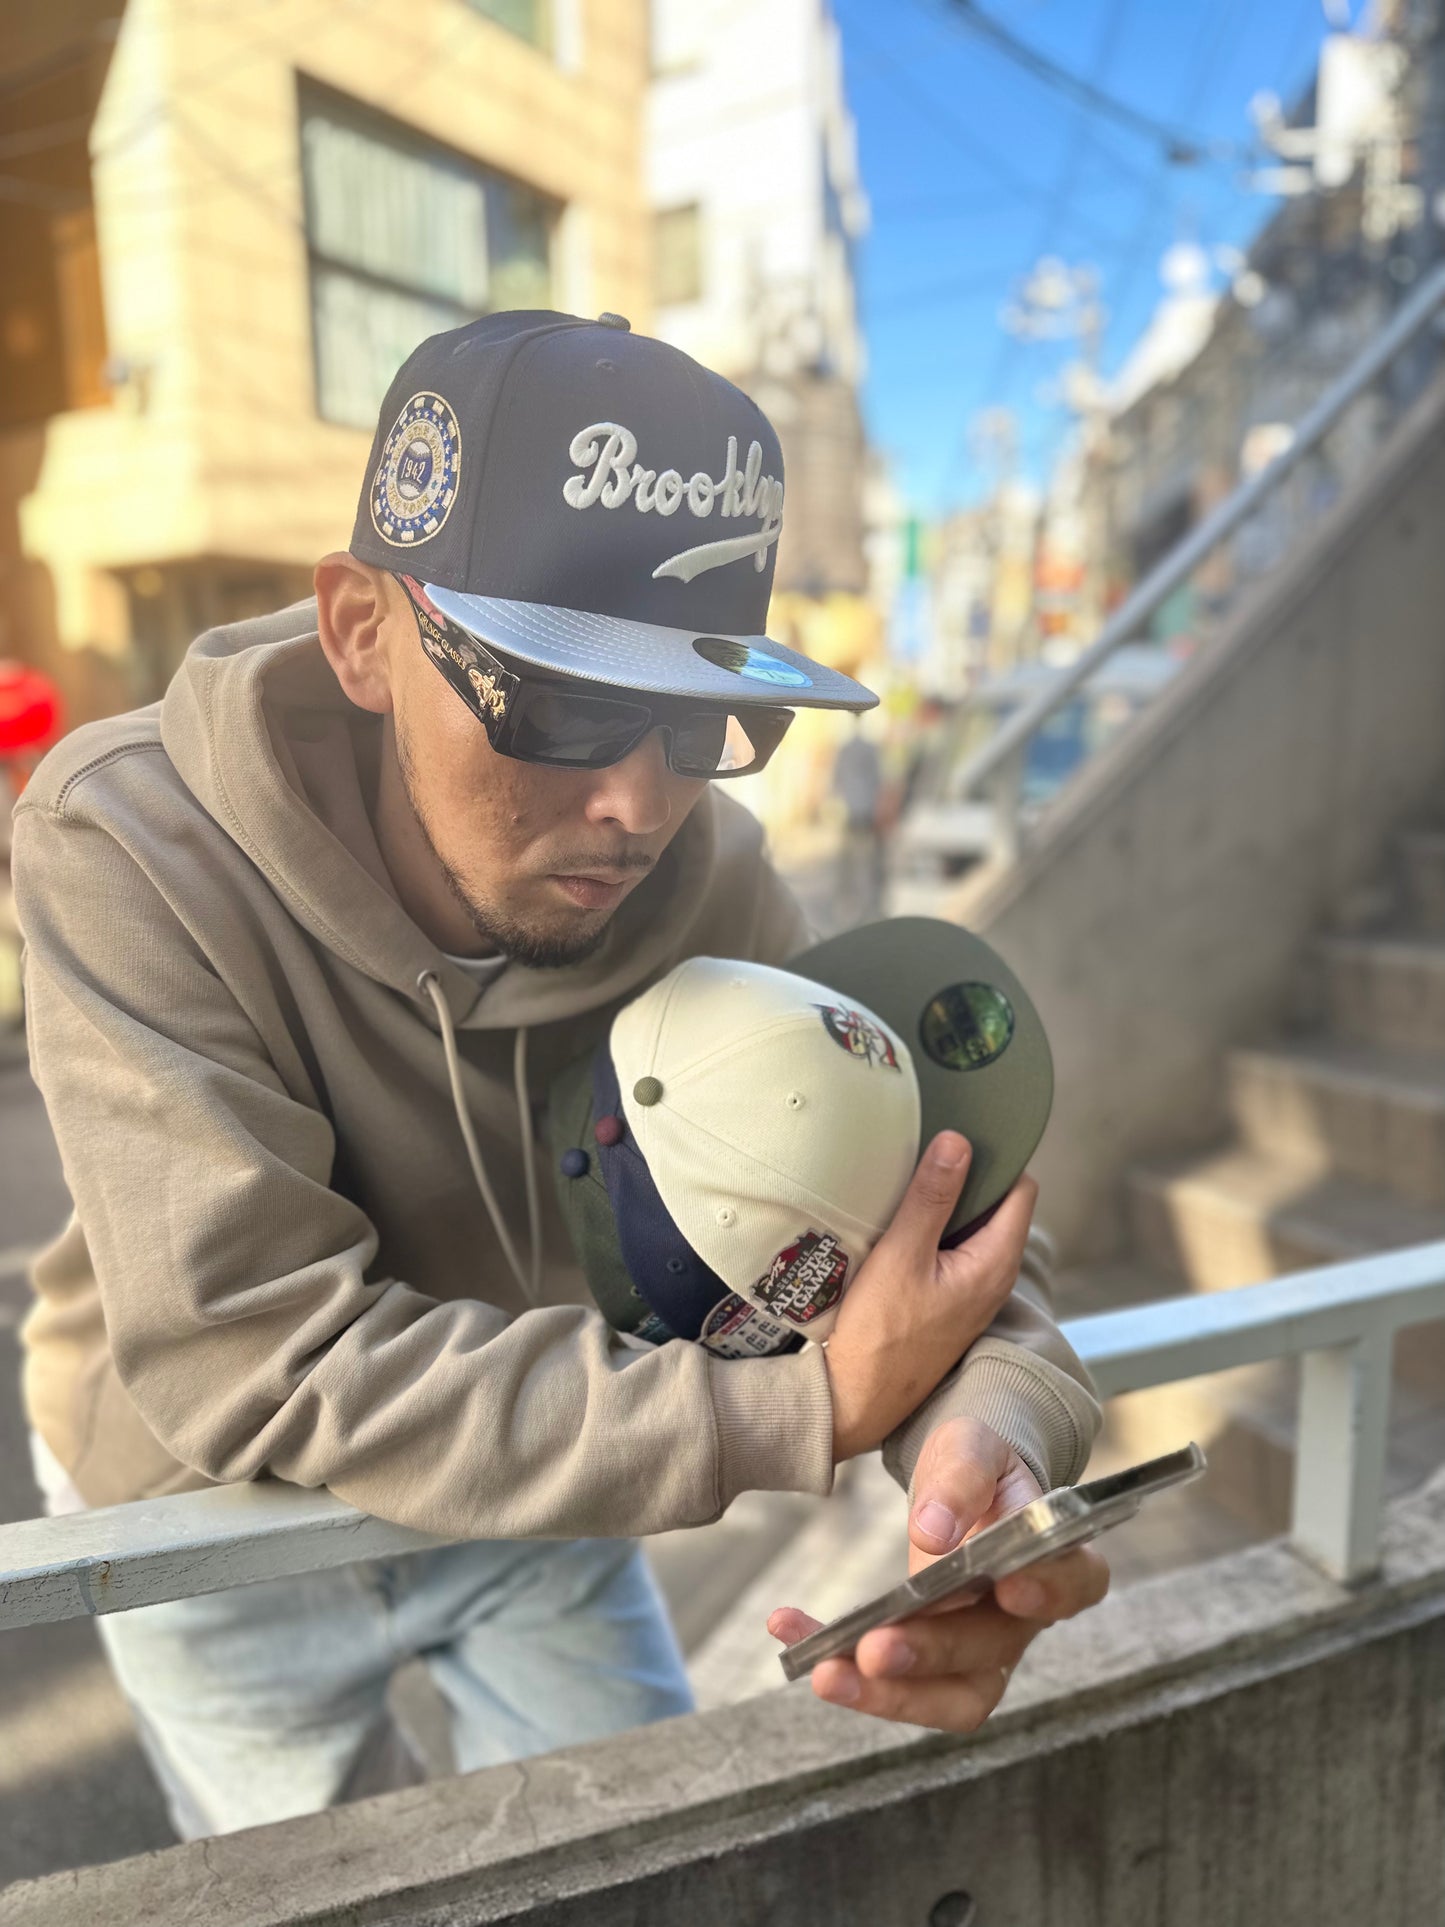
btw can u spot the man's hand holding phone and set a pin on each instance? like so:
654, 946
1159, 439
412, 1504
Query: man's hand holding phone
906, 1320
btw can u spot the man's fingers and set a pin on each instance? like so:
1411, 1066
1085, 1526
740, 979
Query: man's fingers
964, 1642
954, 1482
997, 1247
789, 1624
958, 1704
922, 1218
1056, 1588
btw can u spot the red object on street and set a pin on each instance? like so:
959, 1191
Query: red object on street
29, 708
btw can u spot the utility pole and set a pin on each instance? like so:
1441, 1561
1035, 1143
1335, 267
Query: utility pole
1057, 302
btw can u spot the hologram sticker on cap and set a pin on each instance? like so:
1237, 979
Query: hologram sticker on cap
854, 1033
736, 1329
416, 478
967, 1026
743, 660
805, 1279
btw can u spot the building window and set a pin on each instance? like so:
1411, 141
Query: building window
677, 254
406, 238
530, 20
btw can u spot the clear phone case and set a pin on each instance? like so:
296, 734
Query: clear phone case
1058, 1521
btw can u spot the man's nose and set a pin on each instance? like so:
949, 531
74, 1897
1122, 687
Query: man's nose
635, 793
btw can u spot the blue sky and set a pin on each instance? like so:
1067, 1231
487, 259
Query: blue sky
975, 169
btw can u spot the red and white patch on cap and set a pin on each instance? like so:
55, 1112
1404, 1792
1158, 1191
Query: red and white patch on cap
806, 1278
736, 1329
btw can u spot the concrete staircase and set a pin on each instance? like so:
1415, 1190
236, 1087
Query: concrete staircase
1337, 1149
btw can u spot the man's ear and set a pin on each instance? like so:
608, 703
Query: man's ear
352, 606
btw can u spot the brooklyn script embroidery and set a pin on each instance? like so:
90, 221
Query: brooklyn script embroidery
609, 452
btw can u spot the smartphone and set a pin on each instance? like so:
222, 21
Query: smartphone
1056, 1523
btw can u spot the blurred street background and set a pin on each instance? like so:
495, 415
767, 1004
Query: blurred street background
1104, 468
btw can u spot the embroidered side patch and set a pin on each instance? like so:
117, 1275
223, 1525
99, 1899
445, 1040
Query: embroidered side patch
416, 478
805, 1279
857, 1035
736, 1329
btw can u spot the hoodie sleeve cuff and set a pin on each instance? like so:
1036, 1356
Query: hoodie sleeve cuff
1049, 1419
774, 1421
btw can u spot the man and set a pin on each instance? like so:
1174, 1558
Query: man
306, 942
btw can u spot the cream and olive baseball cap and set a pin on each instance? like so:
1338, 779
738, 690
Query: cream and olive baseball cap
736, 1145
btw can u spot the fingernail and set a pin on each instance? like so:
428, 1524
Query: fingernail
937, 1521
901, 1659
1026, 1597
950, 1152
845, 1690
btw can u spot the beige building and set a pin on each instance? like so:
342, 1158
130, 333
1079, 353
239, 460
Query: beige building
223, 223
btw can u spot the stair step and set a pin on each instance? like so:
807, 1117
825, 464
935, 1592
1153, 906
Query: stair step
1356, 1109
1387, 989
1234, 1217
1423, 858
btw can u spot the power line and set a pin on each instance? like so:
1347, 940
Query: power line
1010, 349
953, 128
1180, 147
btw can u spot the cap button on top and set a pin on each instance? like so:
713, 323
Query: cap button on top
618, 321
647, 1091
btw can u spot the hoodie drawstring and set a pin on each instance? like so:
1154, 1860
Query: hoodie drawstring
529, 1280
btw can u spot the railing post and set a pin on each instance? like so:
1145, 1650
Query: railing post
1339, 1473
1005, 794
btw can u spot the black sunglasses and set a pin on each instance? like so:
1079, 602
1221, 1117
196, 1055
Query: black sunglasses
542, 720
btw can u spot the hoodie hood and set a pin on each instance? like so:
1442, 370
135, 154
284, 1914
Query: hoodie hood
263, 735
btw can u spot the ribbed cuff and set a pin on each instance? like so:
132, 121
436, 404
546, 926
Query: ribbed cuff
1049, 1419
774, 1424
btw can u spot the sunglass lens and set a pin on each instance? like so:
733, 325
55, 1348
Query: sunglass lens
580, 732
713, 743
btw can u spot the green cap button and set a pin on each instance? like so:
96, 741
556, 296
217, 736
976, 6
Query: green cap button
647, 1090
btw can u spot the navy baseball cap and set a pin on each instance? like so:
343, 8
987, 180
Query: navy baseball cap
592, 502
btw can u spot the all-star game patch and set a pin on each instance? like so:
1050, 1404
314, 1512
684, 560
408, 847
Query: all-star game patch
736, 1329
416, 478
853, 1032
805, 1279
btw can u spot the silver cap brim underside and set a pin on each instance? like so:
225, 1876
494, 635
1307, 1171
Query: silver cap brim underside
643, 655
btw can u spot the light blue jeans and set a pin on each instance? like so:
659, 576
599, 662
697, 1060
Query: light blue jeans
268, 1701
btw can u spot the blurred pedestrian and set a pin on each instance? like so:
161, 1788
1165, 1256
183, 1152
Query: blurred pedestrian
858, 785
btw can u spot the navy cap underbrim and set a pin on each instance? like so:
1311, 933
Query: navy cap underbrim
650, 657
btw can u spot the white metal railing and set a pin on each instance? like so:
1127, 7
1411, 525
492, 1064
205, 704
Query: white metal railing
1340, 1320
997, 768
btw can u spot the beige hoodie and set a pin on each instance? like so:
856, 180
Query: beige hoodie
279, 1261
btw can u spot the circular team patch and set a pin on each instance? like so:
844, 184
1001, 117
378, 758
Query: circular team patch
736, 1329
416, 478
743, 660
967, 1026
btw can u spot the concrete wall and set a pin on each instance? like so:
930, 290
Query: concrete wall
1164, 911
1240, 1742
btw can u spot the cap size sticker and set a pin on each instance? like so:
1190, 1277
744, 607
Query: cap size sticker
857, 1035
416, 478
806, 1278
967, 1026
736, 1329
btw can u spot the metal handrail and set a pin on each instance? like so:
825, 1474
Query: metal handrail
1340, 1320
1182, 561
